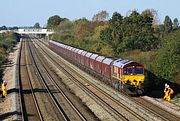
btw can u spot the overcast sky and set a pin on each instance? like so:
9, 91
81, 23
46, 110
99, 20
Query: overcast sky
28, 12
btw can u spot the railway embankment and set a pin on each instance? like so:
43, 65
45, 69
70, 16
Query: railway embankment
9, 106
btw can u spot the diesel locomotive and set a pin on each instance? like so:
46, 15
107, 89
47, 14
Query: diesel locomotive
121, 74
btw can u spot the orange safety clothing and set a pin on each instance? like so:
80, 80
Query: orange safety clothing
168, 92
4, 92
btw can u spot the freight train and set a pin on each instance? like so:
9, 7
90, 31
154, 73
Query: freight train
121, 74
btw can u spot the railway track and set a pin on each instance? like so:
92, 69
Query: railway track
157, 111
163, 114
31, 96
106, 101
26, 91
59, 97
150, 108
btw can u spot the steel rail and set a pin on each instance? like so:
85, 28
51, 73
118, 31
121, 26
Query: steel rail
63, 114
89, 91
60, 90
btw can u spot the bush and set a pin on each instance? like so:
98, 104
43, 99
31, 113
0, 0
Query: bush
7, 41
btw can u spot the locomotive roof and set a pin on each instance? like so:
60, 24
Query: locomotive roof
121, 62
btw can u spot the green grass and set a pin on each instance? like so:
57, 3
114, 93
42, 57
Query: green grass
145, 58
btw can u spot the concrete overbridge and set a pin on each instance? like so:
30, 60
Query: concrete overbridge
37, 32
34, 31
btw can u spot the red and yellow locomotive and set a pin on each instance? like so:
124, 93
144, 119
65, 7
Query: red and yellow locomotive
119, 73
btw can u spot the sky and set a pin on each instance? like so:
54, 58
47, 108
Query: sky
28, 12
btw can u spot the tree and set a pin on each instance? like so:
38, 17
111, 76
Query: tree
65, 25
64, 31
95, 38
82, 28
101, 16
167, 24
15, 28
54, 21
175, 24
131, 32
152, 14
166, 64
3, 28
116, 19
37, 25
138, 32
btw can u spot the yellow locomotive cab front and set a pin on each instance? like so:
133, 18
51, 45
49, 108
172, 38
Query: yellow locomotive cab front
133, 75
135, 80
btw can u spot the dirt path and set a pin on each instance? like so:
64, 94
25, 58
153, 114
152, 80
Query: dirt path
8, 107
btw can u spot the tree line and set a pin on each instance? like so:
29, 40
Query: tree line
7, 41
118, 35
